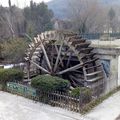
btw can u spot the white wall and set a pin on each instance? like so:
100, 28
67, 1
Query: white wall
119, 70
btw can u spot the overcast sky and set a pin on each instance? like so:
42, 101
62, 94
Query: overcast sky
20, 3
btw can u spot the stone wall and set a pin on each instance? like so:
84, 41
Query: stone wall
111, 54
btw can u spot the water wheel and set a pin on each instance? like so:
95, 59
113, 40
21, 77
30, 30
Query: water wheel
67, 55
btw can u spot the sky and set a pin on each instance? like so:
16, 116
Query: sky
20, 3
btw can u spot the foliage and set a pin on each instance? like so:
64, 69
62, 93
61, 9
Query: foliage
14, 50
84, 93
1, 52
15, 22
112, 19
0, 86
50, 83
10, 75
38, 18
86, 16
12, 22
111, 14
97, 101
76, 92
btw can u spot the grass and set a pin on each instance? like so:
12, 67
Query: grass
96, 102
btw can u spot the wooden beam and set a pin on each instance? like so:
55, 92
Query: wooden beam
46, 57
70, 69
68, 62
36, 40
58, 57
78, 80
44, 51
41, 68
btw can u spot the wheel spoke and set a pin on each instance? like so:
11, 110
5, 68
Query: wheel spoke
58, 57
68, 62
46, 57
70, 69
41, 68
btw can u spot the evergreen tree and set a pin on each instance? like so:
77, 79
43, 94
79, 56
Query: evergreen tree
38, 18
111, 17
9, 2
111, 14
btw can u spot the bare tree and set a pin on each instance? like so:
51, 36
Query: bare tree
87, 15
10, 18
4, 27
11, 24
112, 20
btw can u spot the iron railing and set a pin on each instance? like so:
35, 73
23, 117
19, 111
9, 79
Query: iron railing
64, 100
94, 36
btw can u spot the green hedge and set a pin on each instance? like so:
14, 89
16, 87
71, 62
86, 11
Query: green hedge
0, 87
10, 75
50, 83
83, 92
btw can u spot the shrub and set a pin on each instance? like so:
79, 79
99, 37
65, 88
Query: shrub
10, 75
87, 108
14, 49
50, 83
0, 87
83, 92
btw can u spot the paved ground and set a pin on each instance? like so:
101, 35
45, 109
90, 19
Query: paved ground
14, 107
118, 118
108, 110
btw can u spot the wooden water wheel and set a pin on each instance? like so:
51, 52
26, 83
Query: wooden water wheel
67, 55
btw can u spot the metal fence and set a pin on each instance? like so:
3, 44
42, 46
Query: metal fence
54, 98
61, 99
94, 36
21, 89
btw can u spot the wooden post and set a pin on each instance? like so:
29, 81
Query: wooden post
58, 57
28, 70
